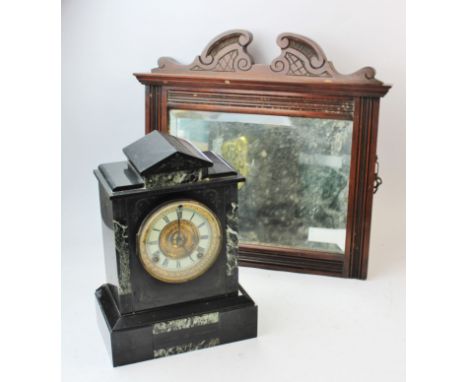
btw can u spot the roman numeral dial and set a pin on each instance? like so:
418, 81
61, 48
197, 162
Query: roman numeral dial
179, 241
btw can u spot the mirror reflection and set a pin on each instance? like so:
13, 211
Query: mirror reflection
297, 170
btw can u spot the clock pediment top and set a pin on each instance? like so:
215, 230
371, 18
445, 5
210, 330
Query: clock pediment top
158, 153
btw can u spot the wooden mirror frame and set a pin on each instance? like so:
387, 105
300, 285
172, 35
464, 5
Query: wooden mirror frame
300, 82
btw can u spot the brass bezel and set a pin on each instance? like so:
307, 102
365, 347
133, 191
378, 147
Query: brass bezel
199, 268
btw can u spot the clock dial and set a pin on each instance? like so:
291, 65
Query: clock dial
179, 241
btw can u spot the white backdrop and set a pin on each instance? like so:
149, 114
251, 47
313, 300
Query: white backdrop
322, 328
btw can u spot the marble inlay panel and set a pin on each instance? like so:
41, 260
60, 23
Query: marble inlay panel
231, 239
297, 171
123, 254
186, 323
203, 344
173, 178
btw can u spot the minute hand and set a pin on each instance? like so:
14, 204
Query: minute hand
179, 215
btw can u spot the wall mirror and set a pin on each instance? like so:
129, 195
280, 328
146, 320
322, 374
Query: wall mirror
302, 134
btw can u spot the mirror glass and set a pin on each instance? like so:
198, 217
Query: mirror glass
297, 170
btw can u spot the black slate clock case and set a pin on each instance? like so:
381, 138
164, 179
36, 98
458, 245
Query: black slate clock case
209, 310
147, 292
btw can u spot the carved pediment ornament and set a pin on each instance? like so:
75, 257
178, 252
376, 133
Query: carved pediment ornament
225, 53
300, 57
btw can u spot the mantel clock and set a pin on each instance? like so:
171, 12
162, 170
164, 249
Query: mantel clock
169, 217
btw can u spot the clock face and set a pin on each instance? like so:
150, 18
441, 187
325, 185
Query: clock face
179, 241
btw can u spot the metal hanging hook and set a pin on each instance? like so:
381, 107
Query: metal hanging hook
377, 179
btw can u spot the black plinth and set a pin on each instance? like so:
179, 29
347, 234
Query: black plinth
174, 329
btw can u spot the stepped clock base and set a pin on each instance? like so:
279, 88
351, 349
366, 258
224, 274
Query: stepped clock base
175, 329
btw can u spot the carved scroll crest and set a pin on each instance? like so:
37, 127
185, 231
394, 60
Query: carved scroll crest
225, 53
301, 56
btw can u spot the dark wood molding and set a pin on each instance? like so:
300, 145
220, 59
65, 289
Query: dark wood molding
366, 122
299, 82
291, 259
277, 103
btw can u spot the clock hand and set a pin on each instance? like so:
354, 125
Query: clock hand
179, 215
